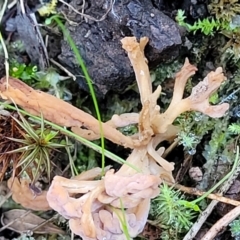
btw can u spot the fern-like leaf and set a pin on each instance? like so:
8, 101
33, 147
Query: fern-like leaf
234, 128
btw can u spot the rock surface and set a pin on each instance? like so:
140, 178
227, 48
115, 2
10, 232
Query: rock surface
100, 46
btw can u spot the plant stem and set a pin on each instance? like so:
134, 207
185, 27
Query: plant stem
89, 81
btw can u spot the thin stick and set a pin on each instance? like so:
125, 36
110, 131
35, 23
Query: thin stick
6, 58
12, 4
72, 23
10, 223
88, 16
205, 214
225, 178
212, 196
229, 97
3, 10
83, 5
3, 43
112, 10
5, 198
43, 223
221, 223
22, 7
200, 221
72, 235
170, 148
64, 69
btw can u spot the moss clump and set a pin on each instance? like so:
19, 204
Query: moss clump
224, 10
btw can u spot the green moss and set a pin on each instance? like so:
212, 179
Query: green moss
170, 214
22, 71
235, 229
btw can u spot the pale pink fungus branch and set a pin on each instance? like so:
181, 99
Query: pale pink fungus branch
198, 100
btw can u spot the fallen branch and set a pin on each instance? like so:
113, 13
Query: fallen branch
205, 214
220, 224
212, 196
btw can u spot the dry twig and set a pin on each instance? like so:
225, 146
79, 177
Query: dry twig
64, 69
86, 15
220, 224
212, 196
205, 214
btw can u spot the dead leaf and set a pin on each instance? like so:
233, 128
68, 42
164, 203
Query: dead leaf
22, 222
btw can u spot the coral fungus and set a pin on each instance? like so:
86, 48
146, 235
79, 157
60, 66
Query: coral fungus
98, 213
120, 201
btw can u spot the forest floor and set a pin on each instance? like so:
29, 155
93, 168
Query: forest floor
36, 148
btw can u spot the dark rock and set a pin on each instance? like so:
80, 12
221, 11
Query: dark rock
100, 46
167, 5
28, 32
54, 45
198, 11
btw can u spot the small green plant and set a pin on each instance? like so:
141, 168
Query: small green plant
192, 127
217, 150
214, 99
207, 25
22, 71
221, 23
235, 229
234, 128
36, 149
189, 141
173, 216
82, 140
54, 82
